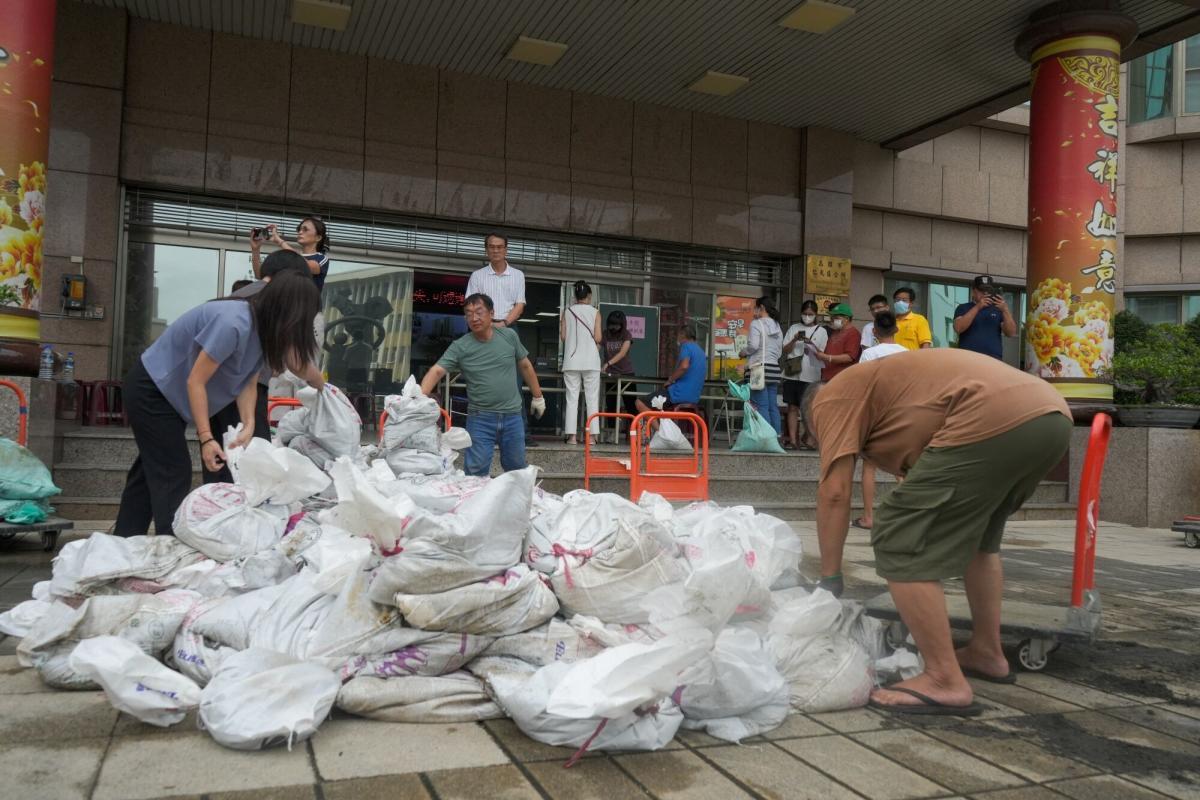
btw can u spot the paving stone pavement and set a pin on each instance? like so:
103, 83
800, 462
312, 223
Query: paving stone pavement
1116, 719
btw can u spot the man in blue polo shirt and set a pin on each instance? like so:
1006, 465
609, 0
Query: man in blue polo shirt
687, 381
982, 323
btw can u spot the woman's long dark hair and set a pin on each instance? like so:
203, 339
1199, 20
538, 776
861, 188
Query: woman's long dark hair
767, 303
582, 291
283, 317
616, 322
319, 226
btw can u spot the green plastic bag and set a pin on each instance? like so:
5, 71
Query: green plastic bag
757, 435
22, 476
24, 512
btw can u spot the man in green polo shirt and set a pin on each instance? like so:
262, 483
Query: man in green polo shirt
489, 358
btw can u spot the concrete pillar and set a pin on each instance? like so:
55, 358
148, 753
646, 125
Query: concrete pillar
26, 56
1074, 49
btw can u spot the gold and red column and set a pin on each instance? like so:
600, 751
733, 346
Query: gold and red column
1072, 265
26, 56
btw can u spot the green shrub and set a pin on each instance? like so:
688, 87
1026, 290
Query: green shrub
1160, 367
1128, 330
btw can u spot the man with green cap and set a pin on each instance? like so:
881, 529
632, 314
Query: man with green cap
844, 345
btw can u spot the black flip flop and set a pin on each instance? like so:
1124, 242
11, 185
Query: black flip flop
928, 705
1010, 678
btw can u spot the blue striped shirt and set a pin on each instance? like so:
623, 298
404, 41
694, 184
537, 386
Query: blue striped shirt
506, 289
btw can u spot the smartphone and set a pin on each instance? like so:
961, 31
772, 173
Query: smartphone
261, 234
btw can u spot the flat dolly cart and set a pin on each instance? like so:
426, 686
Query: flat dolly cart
1041, 629
1189, 526
50, 527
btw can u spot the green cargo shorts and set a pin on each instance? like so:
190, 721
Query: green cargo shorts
955, 500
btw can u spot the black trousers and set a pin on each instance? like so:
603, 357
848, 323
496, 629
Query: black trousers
228, 417
162, 474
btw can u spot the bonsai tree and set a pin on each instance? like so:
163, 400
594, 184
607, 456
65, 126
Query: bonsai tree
1162, 367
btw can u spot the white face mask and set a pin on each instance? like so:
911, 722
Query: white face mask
808, 319
838, 324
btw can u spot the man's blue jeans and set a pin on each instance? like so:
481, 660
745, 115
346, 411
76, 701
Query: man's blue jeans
491, 428
766, 404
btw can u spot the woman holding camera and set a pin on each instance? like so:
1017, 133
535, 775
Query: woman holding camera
579, 330
206, 359
801, 369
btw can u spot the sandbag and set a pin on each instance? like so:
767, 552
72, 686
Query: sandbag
276, 475
17, 621
457, 697
325, 428
552, 641
84, 565
481, 538
826, 672
431, 654
412, 420
583, 524
260, 698
325, 550
613, 584
735, 690
525, 699
22, 475
218, 520
438, 493
513, 601
362, 510
669, 438
134, 682
148, 621
418, 462
771, 546
193, 655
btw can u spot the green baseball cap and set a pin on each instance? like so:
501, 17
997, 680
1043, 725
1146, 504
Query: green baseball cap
841, 310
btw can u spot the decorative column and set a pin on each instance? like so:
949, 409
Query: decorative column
26, 56
1074, 49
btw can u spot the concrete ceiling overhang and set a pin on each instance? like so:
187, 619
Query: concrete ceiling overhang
897, 72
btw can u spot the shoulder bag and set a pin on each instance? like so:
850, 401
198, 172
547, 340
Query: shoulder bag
758, 372
792, 363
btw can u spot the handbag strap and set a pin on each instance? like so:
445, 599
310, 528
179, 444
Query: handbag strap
571, 311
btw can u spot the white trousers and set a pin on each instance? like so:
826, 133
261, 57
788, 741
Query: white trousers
591, 398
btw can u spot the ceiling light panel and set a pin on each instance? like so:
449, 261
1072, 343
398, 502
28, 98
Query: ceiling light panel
321, 14
719, 83
817, 16
537, 51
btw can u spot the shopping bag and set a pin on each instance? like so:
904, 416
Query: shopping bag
757, 435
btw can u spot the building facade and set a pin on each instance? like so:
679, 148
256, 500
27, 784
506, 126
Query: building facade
169, 142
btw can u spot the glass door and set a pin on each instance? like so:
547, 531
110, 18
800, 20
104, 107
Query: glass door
368, 327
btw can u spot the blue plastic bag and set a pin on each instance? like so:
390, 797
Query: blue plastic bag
22, 476
757, 435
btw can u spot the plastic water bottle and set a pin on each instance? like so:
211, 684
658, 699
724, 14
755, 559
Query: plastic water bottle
69, 368
46, 365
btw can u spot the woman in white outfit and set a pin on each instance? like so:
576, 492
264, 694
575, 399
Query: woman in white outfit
885, 334
579, 330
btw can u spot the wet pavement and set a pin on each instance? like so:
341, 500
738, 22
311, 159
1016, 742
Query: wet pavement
1119, 718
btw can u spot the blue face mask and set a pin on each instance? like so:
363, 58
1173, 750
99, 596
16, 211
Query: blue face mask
901, 306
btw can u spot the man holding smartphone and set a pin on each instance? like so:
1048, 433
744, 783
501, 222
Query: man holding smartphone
982, 323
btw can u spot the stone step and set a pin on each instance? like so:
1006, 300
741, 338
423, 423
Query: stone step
759, 490
105, 508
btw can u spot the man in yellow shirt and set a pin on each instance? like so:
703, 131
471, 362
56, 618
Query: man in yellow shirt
914, 332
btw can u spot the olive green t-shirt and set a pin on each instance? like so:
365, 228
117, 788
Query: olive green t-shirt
489, 368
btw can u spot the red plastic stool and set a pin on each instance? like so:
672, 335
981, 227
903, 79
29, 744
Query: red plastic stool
107, 406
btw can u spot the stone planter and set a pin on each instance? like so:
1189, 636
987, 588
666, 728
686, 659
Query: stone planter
1158, 416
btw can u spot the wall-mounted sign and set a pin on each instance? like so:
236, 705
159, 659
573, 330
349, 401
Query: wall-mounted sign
731, 333
636, 326
827, 275
825, 302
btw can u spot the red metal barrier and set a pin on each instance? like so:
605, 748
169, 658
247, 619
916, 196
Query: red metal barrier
22, 413
604, 465
277, 402
1088, 511
675, 477
446, 423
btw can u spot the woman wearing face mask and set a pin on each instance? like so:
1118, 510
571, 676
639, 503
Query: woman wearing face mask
579, 330
845, 345
809, 372
615, 342
764, 346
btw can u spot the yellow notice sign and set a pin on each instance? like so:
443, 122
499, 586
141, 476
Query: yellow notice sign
827, 275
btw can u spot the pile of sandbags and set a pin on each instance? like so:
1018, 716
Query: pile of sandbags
412, 442
327, 577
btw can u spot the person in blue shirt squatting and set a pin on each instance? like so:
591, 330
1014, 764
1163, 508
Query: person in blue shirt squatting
687, 380
210, 356
981, 323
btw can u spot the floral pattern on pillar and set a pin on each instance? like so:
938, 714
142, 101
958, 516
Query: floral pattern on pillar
1072, 264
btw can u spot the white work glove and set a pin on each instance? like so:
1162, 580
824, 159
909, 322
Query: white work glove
538, 407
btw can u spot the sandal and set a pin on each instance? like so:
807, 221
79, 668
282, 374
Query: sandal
858, 523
